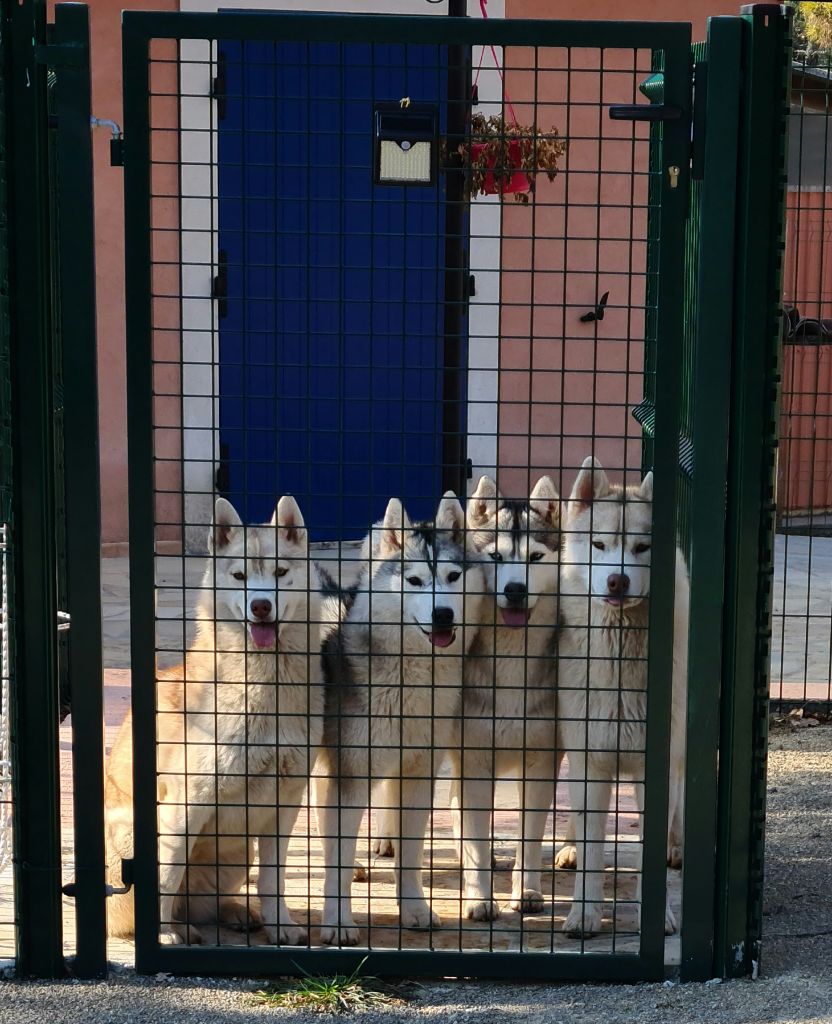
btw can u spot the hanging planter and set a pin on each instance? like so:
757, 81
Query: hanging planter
502, 159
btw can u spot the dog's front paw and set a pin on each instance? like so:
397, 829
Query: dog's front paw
482, 910
416, 914
530, 901
180, 934
669, 921
339, 935
674, 856
383, 847
566, 859
240, 915
583, 922
288, 934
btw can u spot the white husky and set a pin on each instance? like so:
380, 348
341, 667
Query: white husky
394, 676
236, 735
509, 692
602, 672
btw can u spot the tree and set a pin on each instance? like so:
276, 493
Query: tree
812, 30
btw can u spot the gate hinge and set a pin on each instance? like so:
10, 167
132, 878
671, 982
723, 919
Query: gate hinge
472, 286
116, 139
218, 87
469, 469
222, 476
219, 285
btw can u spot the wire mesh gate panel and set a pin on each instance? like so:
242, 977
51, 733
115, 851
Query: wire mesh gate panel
801, 652
317, 306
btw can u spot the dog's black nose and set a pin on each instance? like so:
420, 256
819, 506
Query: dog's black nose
618, 583
516, 593
261, 608
443, 618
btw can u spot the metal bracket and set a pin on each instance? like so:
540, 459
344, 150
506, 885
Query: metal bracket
116, 142
64, 621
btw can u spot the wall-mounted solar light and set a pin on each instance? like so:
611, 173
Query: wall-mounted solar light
406, 143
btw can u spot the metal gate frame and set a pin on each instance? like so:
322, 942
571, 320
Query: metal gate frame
138, 31
737, 330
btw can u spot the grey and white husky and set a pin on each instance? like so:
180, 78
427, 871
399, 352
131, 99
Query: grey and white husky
602, 672
393, 674
509, 725
238, 726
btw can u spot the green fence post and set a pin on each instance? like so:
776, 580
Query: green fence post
35, 691
713, 338
750, 505
76, 242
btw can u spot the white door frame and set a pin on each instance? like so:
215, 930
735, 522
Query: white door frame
200, 328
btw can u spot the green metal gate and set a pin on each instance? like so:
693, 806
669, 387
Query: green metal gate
709, 162
711, 393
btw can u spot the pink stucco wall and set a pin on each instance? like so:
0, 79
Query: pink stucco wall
566, 387
105, 28
533, 318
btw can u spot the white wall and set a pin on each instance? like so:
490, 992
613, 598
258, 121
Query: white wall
199, 250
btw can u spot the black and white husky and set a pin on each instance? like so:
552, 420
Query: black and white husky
393, 671
509, 722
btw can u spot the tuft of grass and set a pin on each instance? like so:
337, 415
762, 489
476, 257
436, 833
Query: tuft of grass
340, 993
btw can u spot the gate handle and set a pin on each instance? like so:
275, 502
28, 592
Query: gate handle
645, 112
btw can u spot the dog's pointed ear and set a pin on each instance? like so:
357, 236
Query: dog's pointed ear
483, 502
591, 483
450, 516
226, 521
393, 526
287, 517
545, 500
646, 489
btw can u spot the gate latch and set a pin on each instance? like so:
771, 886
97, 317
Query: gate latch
109, 890
644, 112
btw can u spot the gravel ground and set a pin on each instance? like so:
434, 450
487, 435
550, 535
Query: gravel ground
796, 984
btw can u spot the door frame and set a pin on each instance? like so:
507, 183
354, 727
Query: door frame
199, 254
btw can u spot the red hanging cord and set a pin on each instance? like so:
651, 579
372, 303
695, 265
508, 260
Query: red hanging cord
483, 4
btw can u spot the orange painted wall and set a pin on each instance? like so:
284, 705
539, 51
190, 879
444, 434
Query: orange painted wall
105, 29
567, 388
570, 367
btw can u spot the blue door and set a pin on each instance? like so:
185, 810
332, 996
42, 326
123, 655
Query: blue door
331, 331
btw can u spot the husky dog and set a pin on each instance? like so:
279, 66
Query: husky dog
393, 698
237, 728
509, 691
602, 672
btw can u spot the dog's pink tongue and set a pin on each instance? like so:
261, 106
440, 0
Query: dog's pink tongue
514, 616
262, 634
442, 638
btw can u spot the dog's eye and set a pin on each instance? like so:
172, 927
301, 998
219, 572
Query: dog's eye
535, 556
599, 545
280, 571
238, 575
639, 549
414, 581
453, 576
496, 556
